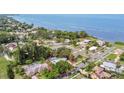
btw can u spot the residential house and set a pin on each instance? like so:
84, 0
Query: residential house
67, 41
55, 60
109, 66
11, 46
100, 73
118, 51
86, 41
32, 69
33, 32
100, 42
93, 48
94, 76
38, 42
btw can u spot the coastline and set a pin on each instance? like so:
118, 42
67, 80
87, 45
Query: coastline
110, 34
29, 47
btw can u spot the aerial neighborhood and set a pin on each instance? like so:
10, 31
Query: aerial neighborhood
29, 52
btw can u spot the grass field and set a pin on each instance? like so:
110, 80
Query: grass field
3, 68
111, 57
119, 45
122, 62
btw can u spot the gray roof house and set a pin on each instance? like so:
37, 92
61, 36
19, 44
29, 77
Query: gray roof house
109, 66
32, 69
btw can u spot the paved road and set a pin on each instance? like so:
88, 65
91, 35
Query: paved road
100, 56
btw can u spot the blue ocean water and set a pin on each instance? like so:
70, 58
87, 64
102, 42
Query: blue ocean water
103, 26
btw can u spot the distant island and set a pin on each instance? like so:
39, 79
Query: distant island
29, 52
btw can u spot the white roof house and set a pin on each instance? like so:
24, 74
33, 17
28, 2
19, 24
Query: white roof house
33, 32
86, 41
109, 66
100, 42
92, 48
55, 60
67, 41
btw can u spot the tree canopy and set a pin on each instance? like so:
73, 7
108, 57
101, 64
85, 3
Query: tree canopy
60, 68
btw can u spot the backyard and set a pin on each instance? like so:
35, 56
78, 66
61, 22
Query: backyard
119, 45
111, 57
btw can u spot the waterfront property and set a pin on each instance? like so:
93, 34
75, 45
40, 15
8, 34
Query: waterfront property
100, 42
86, 41
38, 52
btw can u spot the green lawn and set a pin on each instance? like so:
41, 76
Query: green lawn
119, 45
91, 38
122, 62
111, 57
3, 68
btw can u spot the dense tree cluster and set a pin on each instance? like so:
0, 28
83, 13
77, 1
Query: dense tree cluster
60, 68
90, 67
61, 35
42, 33
63, 67
70, 35
122, 57
6, 37
10, 72
31, 53
119, 43
1, 49
62, 52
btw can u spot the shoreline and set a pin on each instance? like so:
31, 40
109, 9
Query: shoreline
75, 51
106, 34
